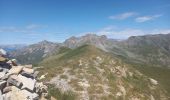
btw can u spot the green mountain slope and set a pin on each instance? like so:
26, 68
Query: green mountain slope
90, 73
158, 73
151, 50
35, 53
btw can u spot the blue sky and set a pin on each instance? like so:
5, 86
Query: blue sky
30, 21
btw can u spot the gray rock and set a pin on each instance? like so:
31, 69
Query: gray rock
2, 84
2, 74
28, 75
14, 80
28, 83
19, 94
5, 70
5, 77
7, 96
1, 96
7, 89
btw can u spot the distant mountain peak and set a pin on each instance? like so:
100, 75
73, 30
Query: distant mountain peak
101, 42
45, 42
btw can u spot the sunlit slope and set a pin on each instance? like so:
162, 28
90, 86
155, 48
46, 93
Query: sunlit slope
90, 73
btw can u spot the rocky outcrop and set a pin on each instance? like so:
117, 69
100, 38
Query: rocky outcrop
19, 81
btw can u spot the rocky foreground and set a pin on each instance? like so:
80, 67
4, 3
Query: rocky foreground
19, 82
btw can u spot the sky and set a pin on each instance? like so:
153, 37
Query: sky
31, 21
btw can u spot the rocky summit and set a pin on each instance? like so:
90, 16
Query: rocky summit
19, 82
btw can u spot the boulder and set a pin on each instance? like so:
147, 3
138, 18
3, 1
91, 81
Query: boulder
28, 83
28, 70
13, 79
28, 75
19, 94
30, 96
15, 70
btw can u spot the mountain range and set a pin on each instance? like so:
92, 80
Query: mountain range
98, 68
149, 49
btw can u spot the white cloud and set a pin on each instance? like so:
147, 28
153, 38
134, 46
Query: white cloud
127, 32
27, 29
146, 18
123, 16
124, 33
11, 29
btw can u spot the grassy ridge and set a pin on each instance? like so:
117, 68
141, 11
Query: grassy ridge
160, 74
56, 63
